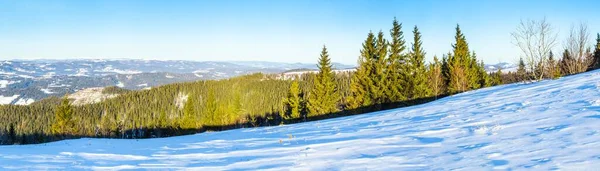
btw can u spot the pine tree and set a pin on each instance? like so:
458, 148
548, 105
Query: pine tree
597, 53
458, 64
436, 79
189, 120
360, 82
418, 78
63, 118
293, 101
324, 97
521, 72
396, 59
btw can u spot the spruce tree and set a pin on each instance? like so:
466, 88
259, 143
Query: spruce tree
475, 73
293, 101
324, 97
521, 72
396, 59
361, 82
597, 53
497, 77
458, 64
63, 119
378, 75
418, 79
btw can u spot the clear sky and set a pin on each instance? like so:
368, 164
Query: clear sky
280, 31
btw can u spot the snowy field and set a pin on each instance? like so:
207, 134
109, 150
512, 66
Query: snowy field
542, 126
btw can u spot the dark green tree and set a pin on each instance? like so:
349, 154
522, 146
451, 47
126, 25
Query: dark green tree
324, 97
596, 63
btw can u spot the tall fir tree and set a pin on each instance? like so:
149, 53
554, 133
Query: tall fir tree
418, 78
378, 67
64, 125
360, 82
458, 64
324, 97
395, 72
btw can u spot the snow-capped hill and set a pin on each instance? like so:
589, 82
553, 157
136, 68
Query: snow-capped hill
506, 67
548, 125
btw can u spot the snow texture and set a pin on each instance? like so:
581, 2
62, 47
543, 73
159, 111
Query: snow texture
546, 125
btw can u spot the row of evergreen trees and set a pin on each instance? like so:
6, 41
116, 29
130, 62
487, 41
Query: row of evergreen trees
390, 73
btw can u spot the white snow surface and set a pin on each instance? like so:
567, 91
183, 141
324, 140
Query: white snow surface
7, 99
546, 125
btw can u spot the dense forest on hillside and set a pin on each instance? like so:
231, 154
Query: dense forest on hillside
390, 73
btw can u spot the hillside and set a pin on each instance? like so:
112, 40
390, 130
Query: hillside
23, 82
546, 125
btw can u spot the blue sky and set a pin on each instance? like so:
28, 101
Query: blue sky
280, 31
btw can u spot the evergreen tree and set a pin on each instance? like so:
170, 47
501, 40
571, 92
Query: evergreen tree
324, 97
378, 88
63, 118
189, 120
566, 60
475, 75
396, 59
497, 77
436, 79
458, 64
485, 80
553, 68
293, 101
418, 79
361, 83
521, 72
597, 53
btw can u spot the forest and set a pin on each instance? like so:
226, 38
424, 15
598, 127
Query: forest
390, 73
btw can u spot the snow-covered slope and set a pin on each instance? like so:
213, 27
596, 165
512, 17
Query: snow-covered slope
546, 125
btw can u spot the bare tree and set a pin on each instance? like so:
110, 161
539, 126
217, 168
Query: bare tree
577, 44
535, 39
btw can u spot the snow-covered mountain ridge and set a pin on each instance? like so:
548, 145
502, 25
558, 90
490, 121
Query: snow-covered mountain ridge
547, 125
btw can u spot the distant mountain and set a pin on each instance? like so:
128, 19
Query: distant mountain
506, 67
25, 81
